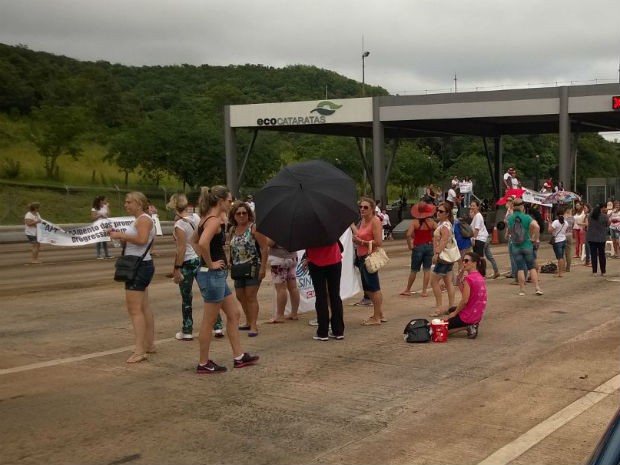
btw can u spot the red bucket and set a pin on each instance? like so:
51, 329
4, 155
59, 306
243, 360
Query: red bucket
439, 331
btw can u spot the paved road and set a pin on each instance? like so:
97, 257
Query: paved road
530, 389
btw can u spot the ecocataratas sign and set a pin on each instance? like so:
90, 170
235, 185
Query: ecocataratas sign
301, 113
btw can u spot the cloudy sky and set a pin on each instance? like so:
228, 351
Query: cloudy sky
415, 46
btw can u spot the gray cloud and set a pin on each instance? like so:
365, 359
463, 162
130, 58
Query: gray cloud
414, 45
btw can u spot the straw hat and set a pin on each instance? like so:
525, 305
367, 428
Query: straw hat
423, 210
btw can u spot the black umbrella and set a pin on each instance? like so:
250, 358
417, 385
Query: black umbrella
309, 204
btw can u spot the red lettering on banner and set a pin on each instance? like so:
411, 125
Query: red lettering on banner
615, 102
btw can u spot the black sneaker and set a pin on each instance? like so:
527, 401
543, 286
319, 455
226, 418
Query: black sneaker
472, 331
320, 338
209, 368
246, 360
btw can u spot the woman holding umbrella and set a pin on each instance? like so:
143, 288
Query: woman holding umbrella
367, 236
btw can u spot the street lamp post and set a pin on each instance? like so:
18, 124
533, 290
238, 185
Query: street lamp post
536, 171
365, 53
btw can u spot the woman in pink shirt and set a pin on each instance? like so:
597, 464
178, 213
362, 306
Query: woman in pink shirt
369, 234
470, 309
325, 267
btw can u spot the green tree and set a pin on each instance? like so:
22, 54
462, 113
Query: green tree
56, 131
415, 166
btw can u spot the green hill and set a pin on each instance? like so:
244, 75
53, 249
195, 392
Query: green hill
84, 128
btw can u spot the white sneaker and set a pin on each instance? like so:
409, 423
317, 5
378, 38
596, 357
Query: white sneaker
181, 336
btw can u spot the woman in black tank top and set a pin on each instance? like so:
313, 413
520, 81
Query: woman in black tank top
211, 279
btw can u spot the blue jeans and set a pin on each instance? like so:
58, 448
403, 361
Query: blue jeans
513, 263
558, 248
489, 255
524, 258
422, 257
102, 249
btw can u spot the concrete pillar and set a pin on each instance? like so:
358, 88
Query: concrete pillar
564, 155
378, 154
230, 146
498, 155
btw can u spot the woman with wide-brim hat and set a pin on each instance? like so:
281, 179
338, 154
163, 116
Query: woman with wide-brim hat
420, 242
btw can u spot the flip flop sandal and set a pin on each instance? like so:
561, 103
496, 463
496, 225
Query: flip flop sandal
383, 320
137, 358
275, 322
406, 294
370, 322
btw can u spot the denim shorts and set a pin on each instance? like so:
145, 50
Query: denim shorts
242, 283
614, 233
524, 258
143, 278
443, 269
370, 281
422, 257
558, 248
213, 285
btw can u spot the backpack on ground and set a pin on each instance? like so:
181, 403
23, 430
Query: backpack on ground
549, 267
517, 231
417, 330
465, 229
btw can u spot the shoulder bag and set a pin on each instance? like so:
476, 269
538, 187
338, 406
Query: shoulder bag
375, 260
553, 236
126, 266
450, 253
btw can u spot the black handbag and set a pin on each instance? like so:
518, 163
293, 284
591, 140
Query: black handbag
417, 330
242, 270
126, 266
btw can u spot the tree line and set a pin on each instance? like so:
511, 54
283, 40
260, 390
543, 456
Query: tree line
168, 121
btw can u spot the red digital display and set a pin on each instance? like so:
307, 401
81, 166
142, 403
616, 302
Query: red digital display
615, 102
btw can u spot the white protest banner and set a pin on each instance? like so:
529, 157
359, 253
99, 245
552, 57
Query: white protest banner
349, 280
50, 233
531, 196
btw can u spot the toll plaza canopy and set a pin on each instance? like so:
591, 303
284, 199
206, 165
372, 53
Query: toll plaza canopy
565, 110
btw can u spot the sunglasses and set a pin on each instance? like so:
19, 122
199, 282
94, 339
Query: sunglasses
240, 213
466, 260
364, 207
440, 211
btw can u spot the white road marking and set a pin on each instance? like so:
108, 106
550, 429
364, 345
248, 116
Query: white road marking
539, 432
79, 358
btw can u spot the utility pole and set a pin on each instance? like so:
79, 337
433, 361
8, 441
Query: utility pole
455, 89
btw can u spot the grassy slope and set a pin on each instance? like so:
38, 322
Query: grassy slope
86, 177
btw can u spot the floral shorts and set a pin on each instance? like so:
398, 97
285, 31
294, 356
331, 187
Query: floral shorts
283, 271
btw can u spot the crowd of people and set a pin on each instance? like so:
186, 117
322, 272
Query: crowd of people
222, 242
